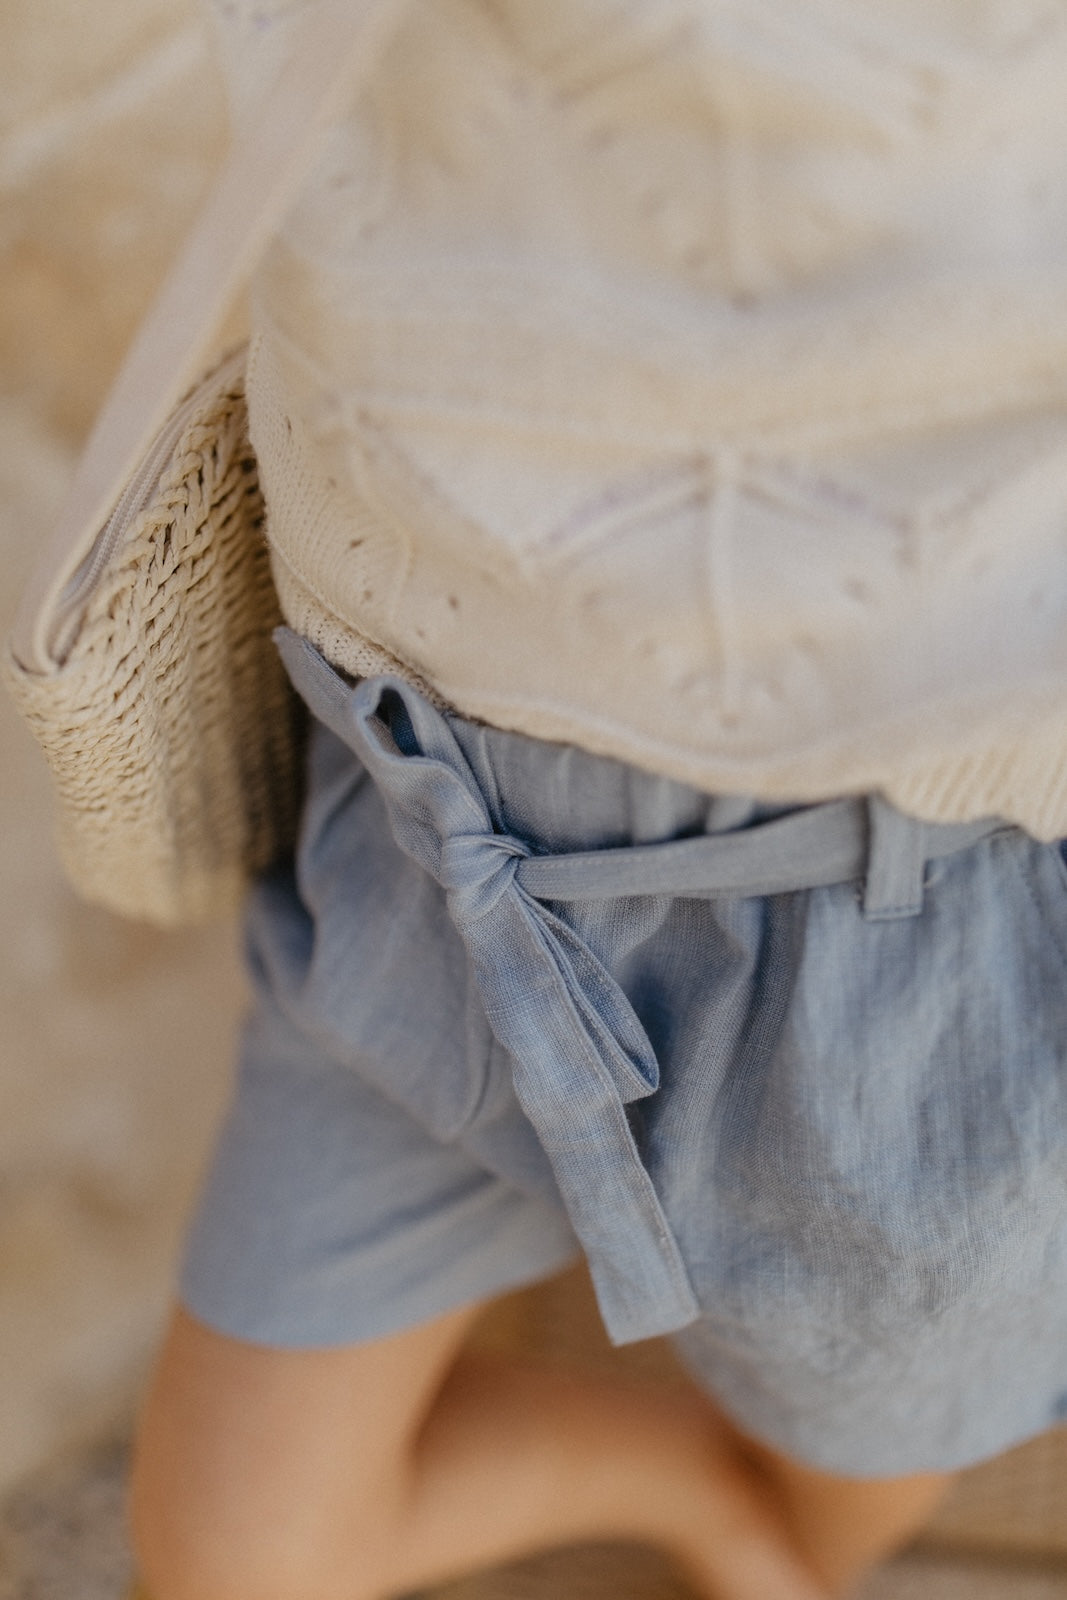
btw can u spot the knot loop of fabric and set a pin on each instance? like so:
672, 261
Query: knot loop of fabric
476, 869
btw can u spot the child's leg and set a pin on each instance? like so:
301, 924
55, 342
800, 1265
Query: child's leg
846, 1525
353, 1473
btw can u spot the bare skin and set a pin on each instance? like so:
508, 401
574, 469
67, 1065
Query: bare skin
846, 1526
366, 1471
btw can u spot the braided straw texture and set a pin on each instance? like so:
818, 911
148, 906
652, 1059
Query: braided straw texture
171, 730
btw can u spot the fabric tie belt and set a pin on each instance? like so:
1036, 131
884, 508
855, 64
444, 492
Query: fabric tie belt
580, 1053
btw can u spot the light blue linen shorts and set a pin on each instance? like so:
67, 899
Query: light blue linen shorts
792, 1078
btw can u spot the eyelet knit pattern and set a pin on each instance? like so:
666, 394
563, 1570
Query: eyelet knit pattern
686, 379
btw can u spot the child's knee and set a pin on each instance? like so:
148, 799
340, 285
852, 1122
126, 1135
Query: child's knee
242, 1487
234, 1552
276, 1473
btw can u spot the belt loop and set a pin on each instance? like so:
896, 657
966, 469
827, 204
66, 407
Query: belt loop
896, 863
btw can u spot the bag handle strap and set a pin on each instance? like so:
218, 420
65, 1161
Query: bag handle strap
333, 52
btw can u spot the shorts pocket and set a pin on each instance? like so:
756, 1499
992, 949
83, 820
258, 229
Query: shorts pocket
363, 955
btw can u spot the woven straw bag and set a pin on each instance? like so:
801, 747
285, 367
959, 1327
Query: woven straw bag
142, 655
170, 728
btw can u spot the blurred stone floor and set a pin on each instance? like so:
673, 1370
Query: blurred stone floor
115, 1040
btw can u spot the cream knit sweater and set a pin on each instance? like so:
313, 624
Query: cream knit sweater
687, 379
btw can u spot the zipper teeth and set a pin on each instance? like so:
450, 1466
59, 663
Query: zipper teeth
136, 495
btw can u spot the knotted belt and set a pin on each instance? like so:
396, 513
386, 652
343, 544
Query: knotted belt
579, 1051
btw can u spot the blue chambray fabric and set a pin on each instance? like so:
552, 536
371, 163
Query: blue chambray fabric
791, 1077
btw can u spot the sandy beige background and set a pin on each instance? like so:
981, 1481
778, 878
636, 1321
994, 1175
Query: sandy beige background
115, 1041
